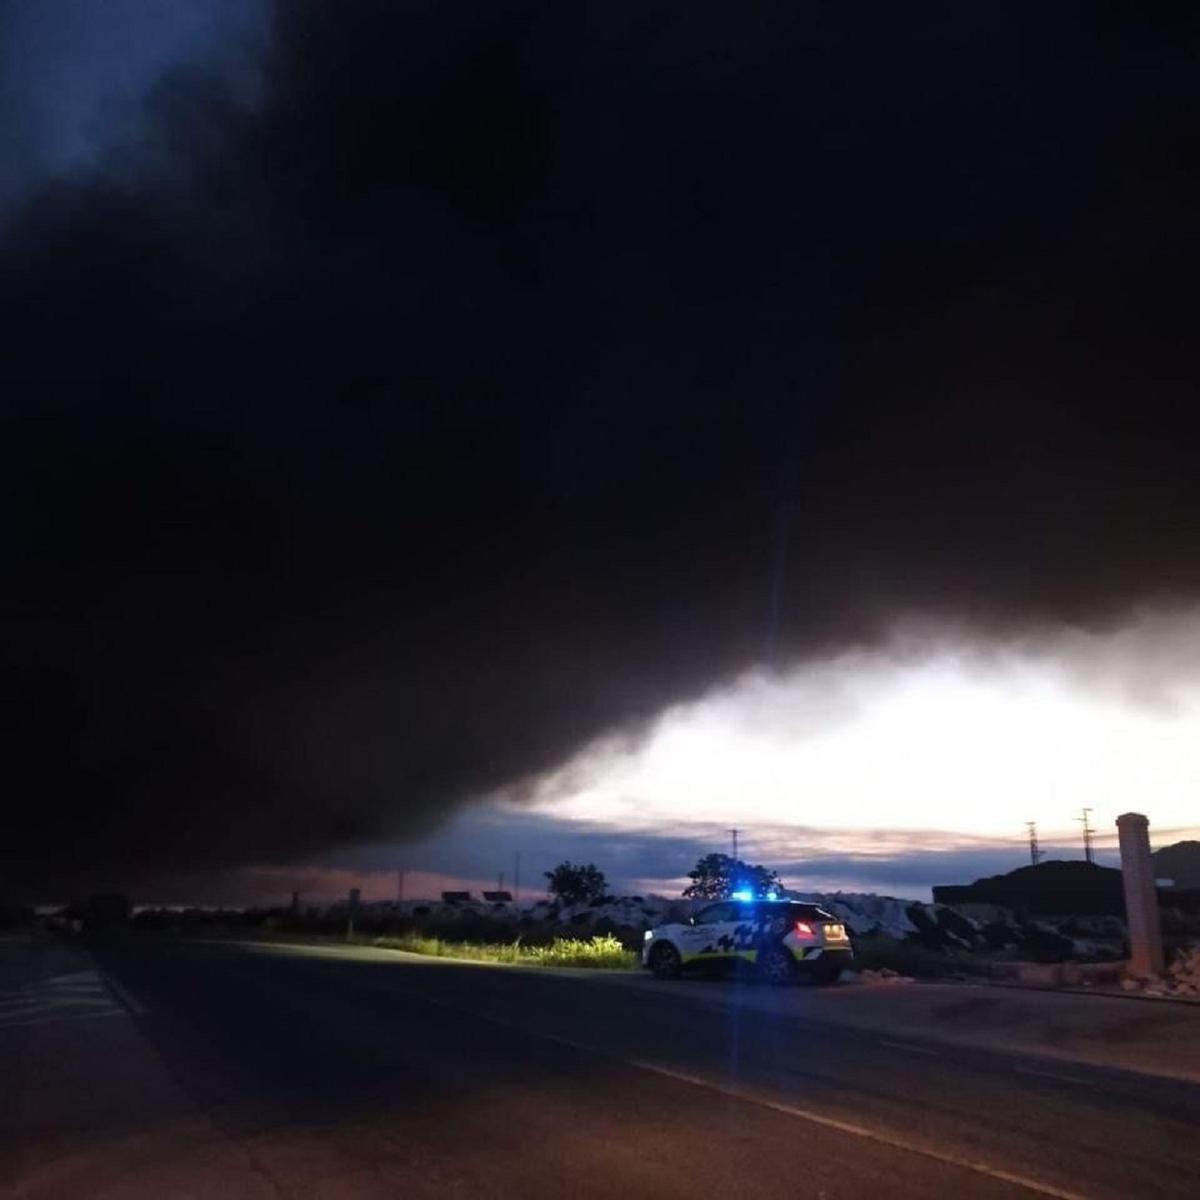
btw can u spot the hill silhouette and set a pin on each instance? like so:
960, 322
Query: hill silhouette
1053, 888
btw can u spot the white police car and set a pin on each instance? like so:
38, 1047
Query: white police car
780, 939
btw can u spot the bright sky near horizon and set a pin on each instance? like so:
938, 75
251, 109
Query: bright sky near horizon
939, 735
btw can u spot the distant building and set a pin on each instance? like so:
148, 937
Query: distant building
456, 897
498, 897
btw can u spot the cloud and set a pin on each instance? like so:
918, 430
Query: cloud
934, 730
75, 76
503, 375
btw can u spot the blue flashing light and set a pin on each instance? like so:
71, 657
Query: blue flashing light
772, 895
742, 894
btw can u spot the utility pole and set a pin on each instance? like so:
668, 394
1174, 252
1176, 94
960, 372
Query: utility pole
517, 876
733, 833
500, 882
1035, 854
1141, 898
1088, 853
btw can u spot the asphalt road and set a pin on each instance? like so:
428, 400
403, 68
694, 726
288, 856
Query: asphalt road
347, 1074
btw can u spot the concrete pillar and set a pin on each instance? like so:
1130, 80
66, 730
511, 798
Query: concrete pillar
1141, 899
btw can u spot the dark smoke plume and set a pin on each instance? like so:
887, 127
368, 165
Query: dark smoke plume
507, 371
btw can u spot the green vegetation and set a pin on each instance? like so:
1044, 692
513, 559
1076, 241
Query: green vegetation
716, 876
604, 952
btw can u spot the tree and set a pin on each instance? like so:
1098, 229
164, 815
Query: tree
582, 884
716, 876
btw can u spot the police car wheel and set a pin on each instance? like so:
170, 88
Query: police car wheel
665, 961
775, 965
827, 972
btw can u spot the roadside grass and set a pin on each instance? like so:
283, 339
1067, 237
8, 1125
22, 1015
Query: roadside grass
604, 952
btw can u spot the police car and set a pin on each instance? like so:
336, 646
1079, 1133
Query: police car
779, 939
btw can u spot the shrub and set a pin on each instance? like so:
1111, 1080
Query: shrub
605, 953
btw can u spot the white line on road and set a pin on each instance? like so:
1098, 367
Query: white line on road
123, 995
49, 1003
50, 1020
911, 1049
804, 1114
874, 1135
1055, 1075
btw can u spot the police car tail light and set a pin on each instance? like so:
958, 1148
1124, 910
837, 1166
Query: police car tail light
804, 930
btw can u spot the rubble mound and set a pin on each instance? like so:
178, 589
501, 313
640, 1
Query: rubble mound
1183, 975
884, 975
1182, 978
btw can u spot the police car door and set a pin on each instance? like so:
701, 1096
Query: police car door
711, 933
747, 929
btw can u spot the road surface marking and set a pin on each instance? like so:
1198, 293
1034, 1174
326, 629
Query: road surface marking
911, 1049
124, 996
51, 1020
49, 1004
1055, 1075
61, 997
862, 1131
791, 1110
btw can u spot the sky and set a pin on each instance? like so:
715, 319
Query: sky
432, 432
75, 75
